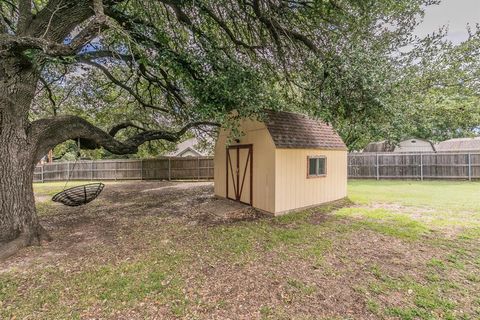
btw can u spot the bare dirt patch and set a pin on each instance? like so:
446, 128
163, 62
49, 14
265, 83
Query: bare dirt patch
77, 231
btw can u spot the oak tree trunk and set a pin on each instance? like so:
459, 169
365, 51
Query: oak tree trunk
19, 224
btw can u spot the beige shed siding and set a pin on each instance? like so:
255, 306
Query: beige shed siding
294, 190
219, 168
257, 134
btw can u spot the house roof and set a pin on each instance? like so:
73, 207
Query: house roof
380, 146
407, 145
459, 144
296, 131
188, 150
412, 145
187, 145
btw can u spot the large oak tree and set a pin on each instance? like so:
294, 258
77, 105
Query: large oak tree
181, 64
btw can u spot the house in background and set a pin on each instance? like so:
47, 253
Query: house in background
380, 146
414, 145
409, 145
459, 145
48, 158
285, 163
188, 148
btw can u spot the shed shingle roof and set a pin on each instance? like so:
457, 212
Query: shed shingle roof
296, 131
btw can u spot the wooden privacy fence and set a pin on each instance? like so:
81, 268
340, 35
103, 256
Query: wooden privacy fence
167, 168
360, 165
414, 165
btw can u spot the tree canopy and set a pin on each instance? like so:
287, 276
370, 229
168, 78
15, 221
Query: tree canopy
444, 97
158, 65
121, 73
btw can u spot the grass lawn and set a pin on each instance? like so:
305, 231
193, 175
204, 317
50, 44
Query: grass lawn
439, 195
163, 250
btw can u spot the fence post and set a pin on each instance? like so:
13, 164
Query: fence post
91, 170
169, 170
469, 167
141, 169
68, 170
421, 166
42, 173
378, 169
198, 167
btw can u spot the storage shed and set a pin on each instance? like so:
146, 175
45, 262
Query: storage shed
408, 145
414, 145
285, 163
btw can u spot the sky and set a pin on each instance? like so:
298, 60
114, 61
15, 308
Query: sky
454, 13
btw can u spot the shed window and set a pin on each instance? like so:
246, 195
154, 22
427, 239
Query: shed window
317, 166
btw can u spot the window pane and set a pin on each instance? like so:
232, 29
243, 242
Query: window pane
312, 167
321, 166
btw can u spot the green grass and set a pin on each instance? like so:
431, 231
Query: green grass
373, 307
301, 287
381, 220
471, 233
436, 263
428, 300
437, 204
441, 195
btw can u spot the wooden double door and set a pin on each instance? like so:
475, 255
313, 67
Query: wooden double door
240, 173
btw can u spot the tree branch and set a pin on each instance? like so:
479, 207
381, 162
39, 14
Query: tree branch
169, 87
275, 27
49, 94
122, 85
59, 18
227, 30
130, 24
90, 32
49, 132
24, 15
51, 26
115, 129
94, 27
12, 44
92, 55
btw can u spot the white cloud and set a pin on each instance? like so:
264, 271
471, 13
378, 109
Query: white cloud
455, 14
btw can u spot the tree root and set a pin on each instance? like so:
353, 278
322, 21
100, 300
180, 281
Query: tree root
10, 248
24, 240
43, 235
